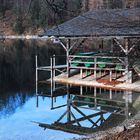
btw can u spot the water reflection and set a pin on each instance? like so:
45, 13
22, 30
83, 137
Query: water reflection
17, 61
17, 78
11, 100
19, 125
89, 109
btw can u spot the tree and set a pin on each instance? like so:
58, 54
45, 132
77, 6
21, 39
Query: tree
35, 12
18, 26
2, 8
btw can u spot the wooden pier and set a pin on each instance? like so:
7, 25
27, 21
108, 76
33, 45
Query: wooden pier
98, 70
96, 100
112, 75
122, 34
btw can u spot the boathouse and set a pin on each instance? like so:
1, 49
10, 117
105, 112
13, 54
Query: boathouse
112, 69
120, 26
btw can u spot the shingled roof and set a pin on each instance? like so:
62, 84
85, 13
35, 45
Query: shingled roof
114, 22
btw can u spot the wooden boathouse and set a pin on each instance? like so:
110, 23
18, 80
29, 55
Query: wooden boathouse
120, 26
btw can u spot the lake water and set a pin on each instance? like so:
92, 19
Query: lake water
18, 112
18, 103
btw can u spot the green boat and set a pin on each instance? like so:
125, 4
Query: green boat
84, 59
103, 60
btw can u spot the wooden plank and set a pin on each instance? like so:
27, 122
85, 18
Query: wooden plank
49, 67
86, 62
93, 56
58, 126
85, 118
92, 68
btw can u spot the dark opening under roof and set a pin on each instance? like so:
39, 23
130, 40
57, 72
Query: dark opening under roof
98, 23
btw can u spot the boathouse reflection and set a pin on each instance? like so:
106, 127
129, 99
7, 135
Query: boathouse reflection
89, 109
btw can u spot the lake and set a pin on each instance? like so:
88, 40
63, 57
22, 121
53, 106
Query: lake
89, 109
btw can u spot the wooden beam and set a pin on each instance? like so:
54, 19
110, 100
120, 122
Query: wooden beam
61, 117
84, 115
85, 118
75, 119
119, 44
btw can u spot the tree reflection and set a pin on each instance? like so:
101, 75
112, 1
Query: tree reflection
17, 71
10, 101
17, 61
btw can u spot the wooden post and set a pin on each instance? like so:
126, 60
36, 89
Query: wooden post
95, 68
51, 102
54, 63
67, 54
68, 105
110, 93
110, 75
37, 101
95, 95
126, 104
100, 91
81, 90
126, 61
81, 73
112, 45
51, 65
36, 62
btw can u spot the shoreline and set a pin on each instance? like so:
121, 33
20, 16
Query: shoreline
127, 125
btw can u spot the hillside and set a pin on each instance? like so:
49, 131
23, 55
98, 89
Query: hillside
7, 25
34, 16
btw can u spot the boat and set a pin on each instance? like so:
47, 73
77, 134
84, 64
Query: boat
75, 63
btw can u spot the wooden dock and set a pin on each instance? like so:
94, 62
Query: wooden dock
92, 75
89, 81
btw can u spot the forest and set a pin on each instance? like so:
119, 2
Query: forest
33, 16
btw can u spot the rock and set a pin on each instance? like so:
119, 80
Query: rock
131, 126
99, 137
117, 129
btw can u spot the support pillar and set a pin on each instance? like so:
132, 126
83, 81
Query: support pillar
126, 104
127, 72
95, 68
54, 72
36, 63
110, 93
68, 105
81, 90
37, 101
67, 55
81, 73
95, 96
110, 75
52, 80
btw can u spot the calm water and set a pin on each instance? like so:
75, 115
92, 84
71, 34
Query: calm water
18, 103
17, 97
18, 112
